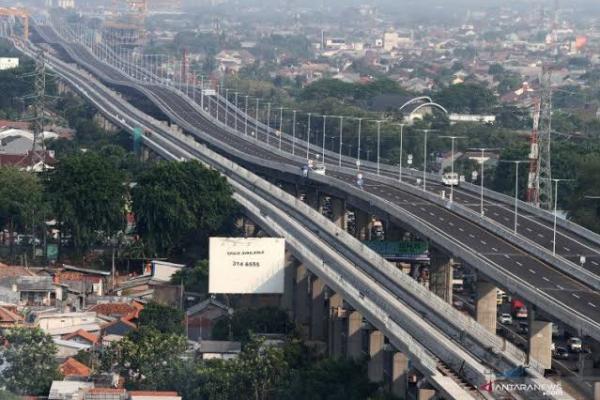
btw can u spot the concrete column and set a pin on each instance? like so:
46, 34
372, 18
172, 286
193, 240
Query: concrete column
317, 311
425, 394
354, 349
289, 279
290, 188
363, 225
441, 275
145, 153
301, 299
596, 390
486, 305
539, 339
338, 209
376, 360
336, 324
399, 374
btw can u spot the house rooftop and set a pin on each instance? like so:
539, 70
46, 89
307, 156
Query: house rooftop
72, 367
219, 346
90, 337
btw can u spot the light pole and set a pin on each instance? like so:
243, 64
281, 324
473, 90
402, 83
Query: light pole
226, 107
256, 116
341, 134
453, 139
268, 121
482, 163
308, 139
280, 126
556, 180
358, 151
378, 143
426, 131
294, 132
324, 127
517, 163
401, 151
235, 110
246, 116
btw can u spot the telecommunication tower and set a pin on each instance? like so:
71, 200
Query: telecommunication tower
38, 151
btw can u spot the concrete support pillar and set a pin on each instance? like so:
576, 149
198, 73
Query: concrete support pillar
290, 188
486, 304
596, 390
355, 348
363, 225
540, 339
399, 374
441, 275
289, 279
301, 299
317, 311
145, 153
425, 394
336, 326
376, 356
338, 209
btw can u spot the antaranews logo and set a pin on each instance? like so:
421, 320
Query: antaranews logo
487, 387
552, 389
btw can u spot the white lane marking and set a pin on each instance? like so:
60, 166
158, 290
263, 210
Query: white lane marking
442, 219
496, 214
592, 304
574, 295
483, 242
560, 287
461, 229
546, 279
532, 271
566, 248
495, 249
519, 264
471, 236
506, 255
452, 224
540, 235
422, 209
432, 214
529, 229
506, 219
594, 262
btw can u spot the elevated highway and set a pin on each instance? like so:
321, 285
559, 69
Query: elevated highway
557, 286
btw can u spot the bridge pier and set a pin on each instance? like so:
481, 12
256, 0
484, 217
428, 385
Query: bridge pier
354, 337
363, 225
392, 232
338, 209
301, 299
486, 304
317, 311
290, 188
539, 339
425, 393
441, 275
311, 198
399, 374
336, 325
289, 271
377, 356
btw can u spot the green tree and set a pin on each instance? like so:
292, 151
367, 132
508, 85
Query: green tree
87, 194
29, 361
179, 204
163, 318
244, 323
146, 357
20, 200
194, 279
466, 97
583, 209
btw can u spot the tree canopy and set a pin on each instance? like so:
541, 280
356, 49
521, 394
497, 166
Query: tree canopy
163, 318
179, 204
29, 361
466, 98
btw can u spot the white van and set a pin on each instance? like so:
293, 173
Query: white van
450, 179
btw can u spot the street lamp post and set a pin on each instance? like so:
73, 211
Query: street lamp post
453, 139
246, 116
294, 132
401, 151
227, 107
517, 163
280, 126
358, 150
324, 128
341, 134
235, 111
426, 131
378, 144
308, 139
268, 121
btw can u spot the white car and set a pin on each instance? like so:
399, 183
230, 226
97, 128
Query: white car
319, 169
505, 319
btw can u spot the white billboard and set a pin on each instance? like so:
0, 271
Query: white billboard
246, 265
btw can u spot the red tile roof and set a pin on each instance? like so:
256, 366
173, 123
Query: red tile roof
105, 390
14, 270
72, 367
22, 161
90, 337
9, 317
75, 276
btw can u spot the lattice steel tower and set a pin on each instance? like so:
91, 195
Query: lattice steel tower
38, 151
544, 140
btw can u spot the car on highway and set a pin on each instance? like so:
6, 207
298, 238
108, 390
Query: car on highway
458, 304
574, 344
560, 353
505, 319
523, 327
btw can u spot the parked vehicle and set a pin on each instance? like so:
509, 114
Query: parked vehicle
518, 308
505, 319
561, 353
523, 327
